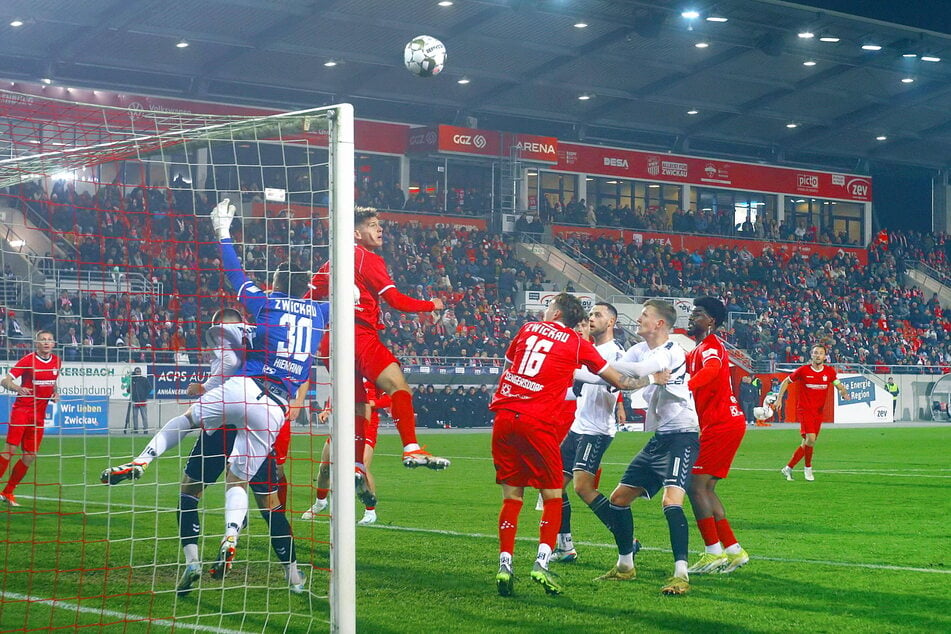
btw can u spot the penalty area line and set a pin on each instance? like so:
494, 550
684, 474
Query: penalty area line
75, 607
816, 562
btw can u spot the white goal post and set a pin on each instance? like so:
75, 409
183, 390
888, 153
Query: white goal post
103, 150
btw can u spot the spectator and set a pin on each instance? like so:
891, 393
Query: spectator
140, 388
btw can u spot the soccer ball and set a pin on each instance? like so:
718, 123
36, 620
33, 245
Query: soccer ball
763, 413
424, 56
770, 399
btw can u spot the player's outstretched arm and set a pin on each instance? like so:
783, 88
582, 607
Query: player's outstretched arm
405, 303
643, 368
221, 217
624, 382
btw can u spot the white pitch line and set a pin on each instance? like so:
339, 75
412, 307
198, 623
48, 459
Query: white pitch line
434, 531
841, 564
75, 607
906, 473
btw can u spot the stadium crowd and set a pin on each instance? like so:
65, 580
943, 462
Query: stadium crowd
781, 300
702, 222
784, 300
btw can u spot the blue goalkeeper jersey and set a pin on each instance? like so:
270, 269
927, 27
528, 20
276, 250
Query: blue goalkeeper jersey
288, 329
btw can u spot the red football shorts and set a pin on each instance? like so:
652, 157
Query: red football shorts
526, 451
809, 423
282, 443
718, 447
26, 428
371, 358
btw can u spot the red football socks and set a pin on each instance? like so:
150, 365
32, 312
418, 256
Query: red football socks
404, 416
708, 530
359, 438
796, 457
19, 470
725, 533
508, 524
550, 523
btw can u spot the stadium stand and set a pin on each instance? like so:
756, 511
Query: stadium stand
782, 300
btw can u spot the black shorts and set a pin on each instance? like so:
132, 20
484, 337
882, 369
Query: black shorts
583, 452
666, 460
210, 454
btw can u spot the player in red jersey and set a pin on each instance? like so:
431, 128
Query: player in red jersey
374, 360
814, 379
37, 372
367, 495
722, 426
528, 429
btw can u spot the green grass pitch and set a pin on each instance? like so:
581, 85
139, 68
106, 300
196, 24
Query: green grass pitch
864, 548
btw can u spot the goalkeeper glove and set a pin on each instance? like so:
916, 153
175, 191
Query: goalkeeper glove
221, 217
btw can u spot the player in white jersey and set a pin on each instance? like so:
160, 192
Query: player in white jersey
591, 431
227, 339
667, 459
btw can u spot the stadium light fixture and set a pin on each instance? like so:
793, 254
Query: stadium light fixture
330, 63
693, 111
828, 38
881, 137
792, 125
809, 62
46, 80
930, 58
871, 47
907, 80
462, 80
445, 3
181, 44
717, 18
584, 97
16, 244
909, 55
16, 23
581, 25
805, 34
690, 14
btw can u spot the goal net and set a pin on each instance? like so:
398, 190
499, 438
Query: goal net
108, 245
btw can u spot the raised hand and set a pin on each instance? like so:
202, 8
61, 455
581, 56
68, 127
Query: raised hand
221, 217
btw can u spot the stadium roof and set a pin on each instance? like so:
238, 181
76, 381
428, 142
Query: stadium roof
527, 63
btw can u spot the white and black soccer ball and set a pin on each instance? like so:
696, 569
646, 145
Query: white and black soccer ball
770, 399
424, 56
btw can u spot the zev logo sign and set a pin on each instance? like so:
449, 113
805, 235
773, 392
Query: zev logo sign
859, 188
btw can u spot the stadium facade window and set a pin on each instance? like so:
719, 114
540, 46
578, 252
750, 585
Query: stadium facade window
746, 213
457, 186
623, 194
825, 221
556, 191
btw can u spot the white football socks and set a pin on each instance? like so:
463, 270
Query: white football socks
166, 438
236, 509
191, 553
